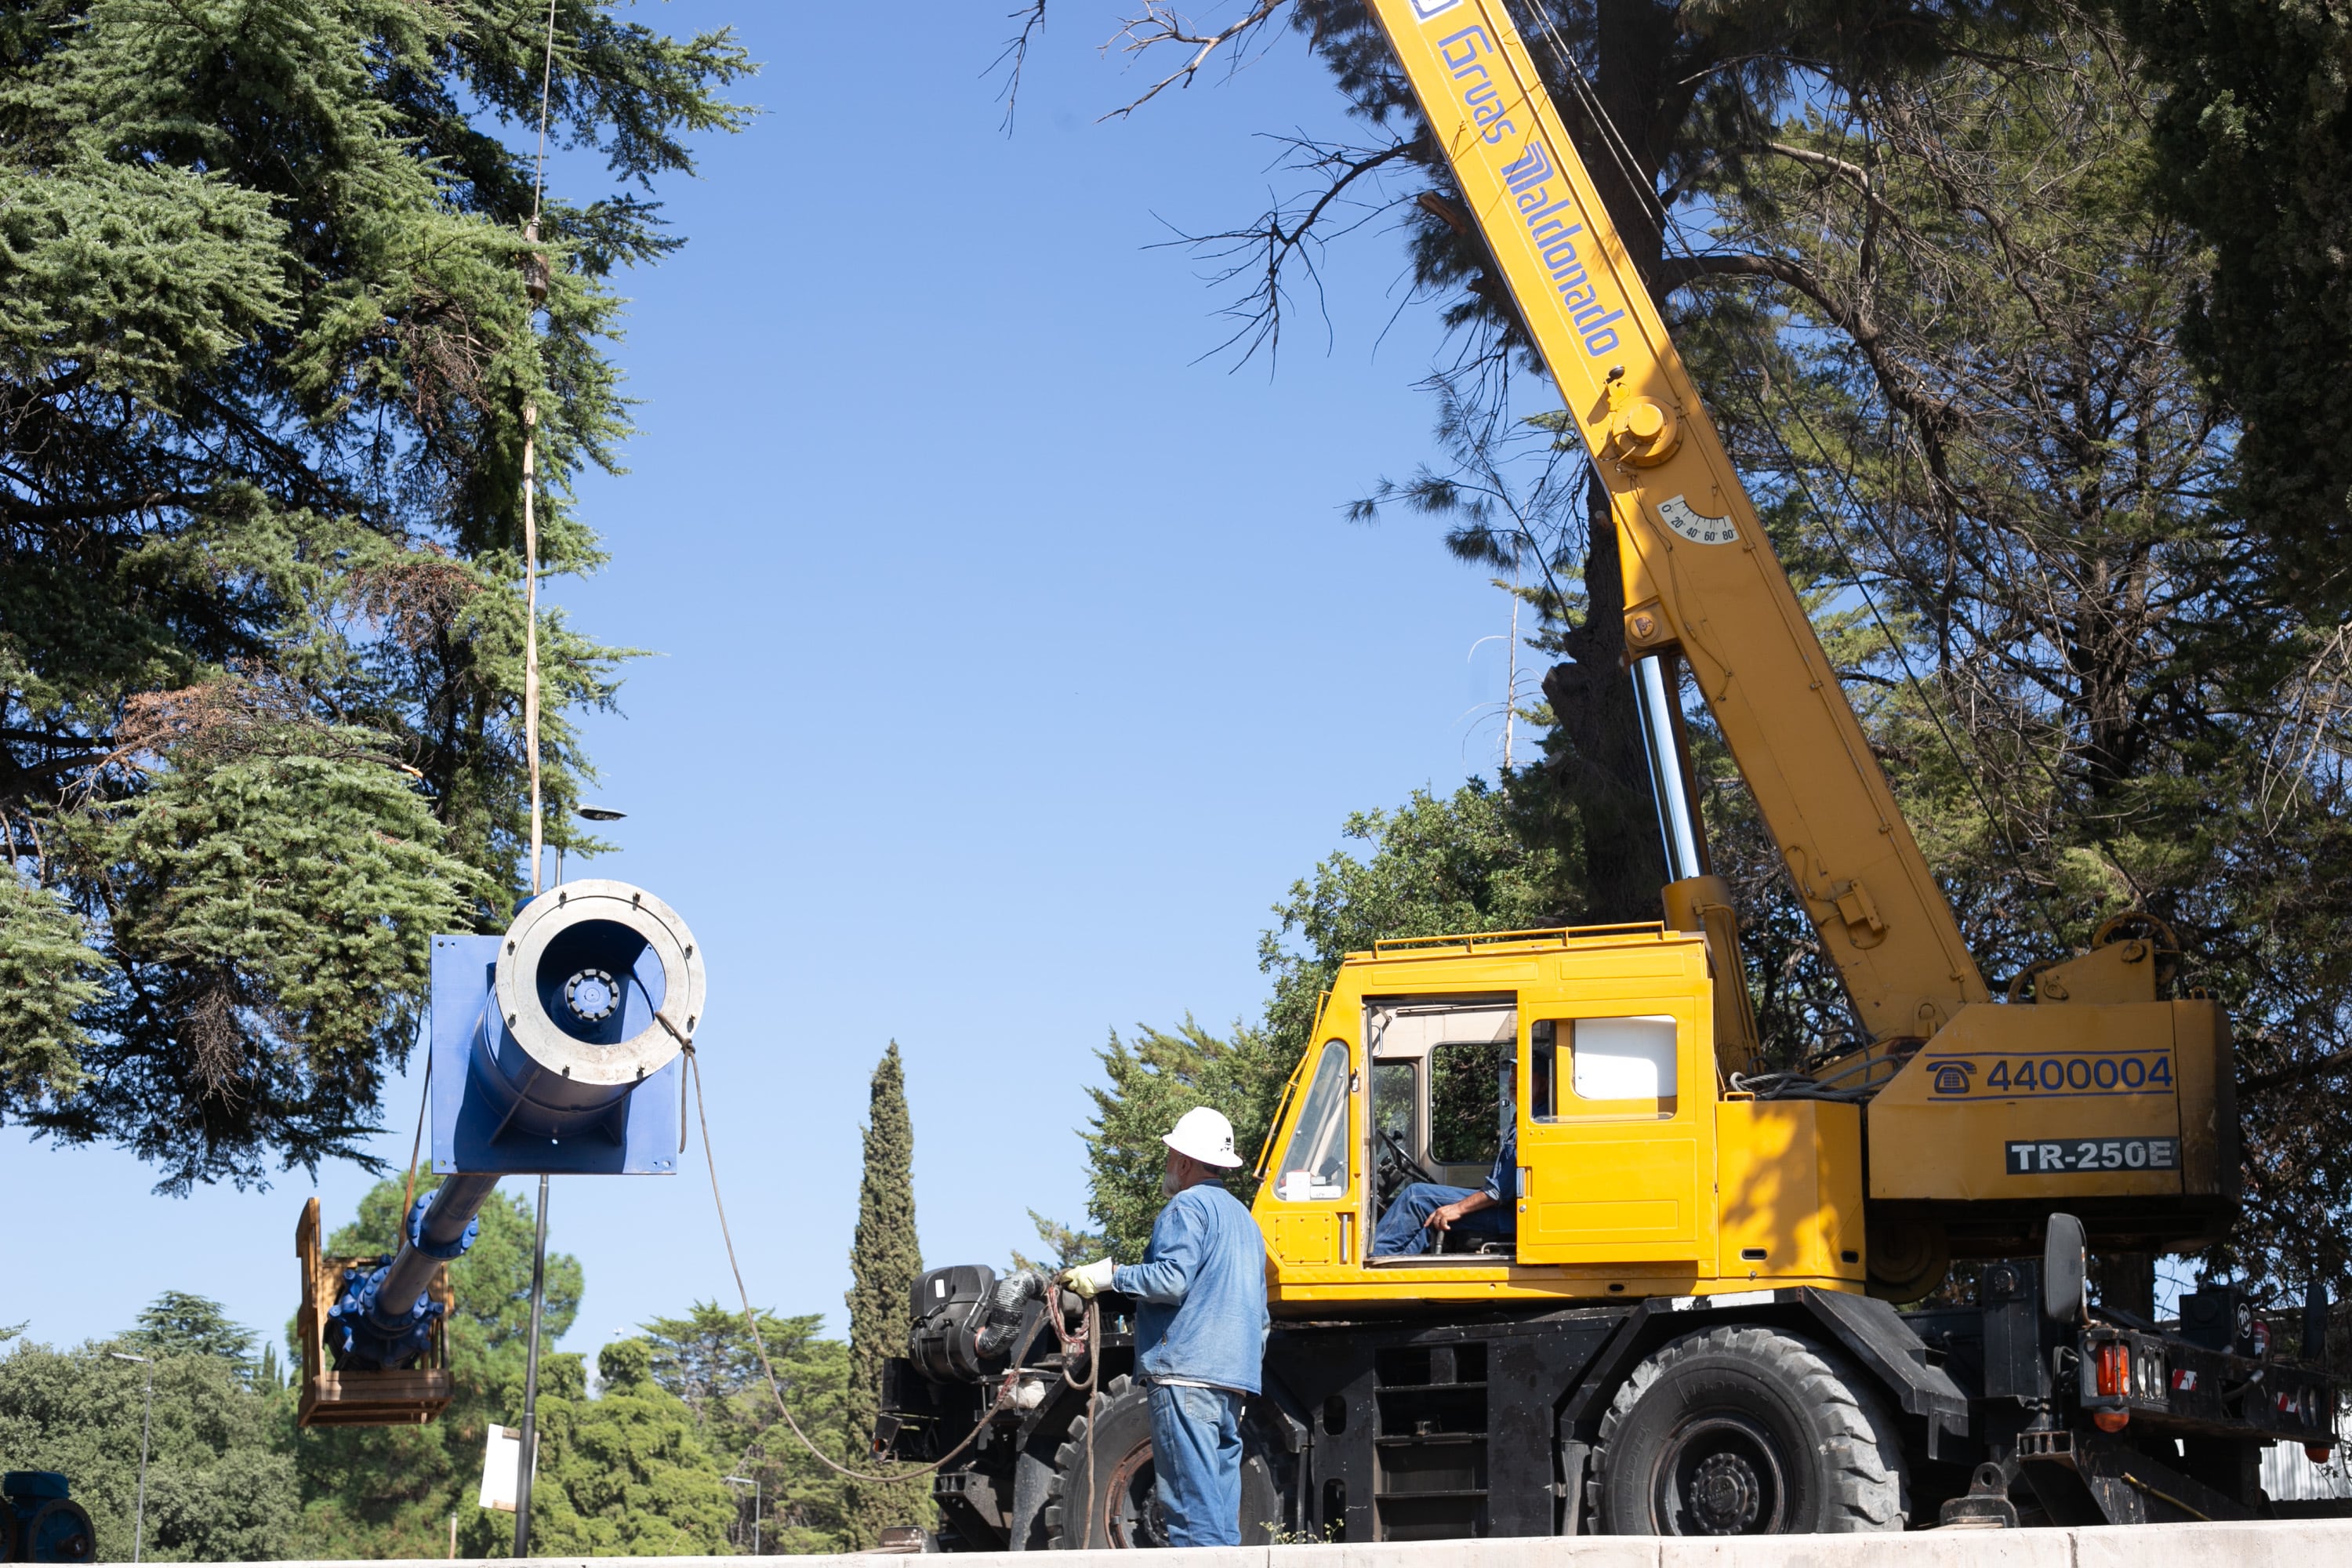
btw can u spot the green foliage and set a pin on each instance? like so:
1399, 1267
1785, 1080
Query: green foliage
1065, 1246
266, 349
48, 977
277, 895
885, 1257
2254, 145
176, 1324
220, 1487
1154, 1079
708, 1360
1466, 863
626, 1474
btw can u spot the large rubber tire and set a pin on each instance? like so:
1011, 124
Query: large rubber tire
1121, 1507
1746, 1431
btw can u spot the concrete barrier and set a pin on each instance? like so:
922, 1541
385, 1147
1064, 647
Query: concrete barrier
2282, 1544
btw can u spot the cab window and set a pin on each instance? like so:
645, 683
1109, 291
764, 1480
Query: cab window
1315, 1165
1601, 1066
1465, 1101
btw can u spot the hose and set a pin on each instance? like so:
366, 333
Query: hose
1092, 1339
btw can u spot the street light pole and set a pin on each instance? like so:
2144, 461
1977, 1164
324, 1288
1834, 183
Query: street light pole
753, 1482
527, 1456
146, 1427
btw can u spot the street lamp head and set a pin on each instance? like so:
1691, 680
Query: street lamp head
739, 1481
119, 1355
600, 814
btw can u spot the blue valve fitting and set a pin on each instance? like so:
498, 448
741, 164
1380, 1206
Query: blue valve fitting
364, 1337
454, 1248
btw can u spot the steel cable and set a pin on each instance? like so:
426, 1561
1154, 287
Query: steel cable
1671, 235
752, 1319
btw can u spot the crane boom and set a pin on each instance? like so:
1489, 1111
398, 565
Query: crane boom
1701, 579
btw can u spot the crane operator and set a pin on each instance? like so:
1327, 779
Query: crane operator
1423, 1213
1200, 1331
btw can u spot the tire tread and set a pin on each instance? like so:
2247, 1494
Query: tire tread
1868, 1487
1070, 1457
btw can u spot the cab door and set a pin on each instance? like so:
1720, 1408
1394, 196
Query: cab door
1307, 1207
1616, 1127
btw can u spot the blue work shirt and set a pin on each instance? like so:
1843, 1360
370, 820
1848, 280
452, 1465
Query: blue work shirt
1202, 1284
1506, 1166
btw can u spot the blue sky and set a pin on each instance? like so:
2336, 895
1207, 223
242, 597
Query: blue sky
1013, 659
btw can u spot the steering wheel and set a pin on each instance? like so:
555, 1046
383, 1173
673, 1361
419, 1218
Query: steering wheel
1396, 1164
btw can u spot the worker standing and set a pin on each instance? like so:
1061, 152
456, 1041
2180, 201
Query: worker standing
1200, 1331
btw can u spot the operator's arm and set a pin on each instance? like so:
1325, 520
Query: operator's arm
1446, 1214
1169, 1262
1507, 1160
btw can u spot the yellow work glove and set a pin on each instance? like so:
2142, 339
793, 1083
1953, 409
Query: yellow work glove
1088, 1277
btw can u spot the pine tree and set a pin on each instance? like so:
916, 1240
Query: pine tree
883, 1262
179, 1323
266, 343
2253, 145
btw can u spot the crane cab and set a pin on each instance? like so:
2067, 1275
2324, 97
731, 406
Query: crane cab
1589, 1056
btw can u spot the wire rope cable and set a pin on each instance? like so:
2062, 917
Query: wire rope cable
1673, 236
1674, 239
417, 1147
751, 1320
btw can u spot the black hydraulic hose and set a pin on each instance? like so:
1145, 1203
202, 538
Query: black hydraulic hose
453, 1208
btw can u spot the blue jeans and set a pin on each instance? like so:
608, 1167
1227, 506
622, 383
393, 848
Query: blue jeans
1196, 1458
1405, 1233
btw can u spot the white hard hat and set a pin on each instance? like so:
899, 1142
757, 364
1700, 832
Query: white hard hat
1204, 1135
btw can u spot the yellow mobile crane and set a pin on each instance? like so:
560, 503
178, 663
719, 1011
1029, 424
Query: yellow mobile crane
1686, 1327
1981, 1116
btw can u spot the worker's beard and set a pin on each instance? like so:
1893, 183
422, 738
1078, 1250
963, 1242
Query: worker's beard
1171, 1184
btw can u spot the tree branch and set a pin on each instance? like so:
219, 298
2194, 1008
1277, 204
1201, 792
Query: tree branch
1284, 234
1161, 24
1015, 55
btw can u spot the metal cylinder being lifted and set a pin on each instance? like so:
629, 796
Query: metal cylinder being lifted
598, 988
595, 989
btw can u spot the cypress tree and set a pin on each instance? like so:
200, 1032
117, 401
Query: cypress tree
883, 1261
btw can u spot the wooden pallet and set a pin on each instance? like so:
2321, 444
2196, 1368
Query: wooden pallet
330, 1398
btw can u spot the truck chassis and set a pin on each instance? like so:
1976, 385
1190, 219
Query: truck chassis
1791, 1410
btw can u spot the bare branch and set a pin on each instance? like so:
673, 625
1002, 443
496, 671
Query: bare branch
1161, 24
1015, 55
1853, 174
1288, 235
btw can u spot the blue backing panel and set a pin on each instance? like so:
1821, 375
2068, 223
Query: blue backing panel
464, 1116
